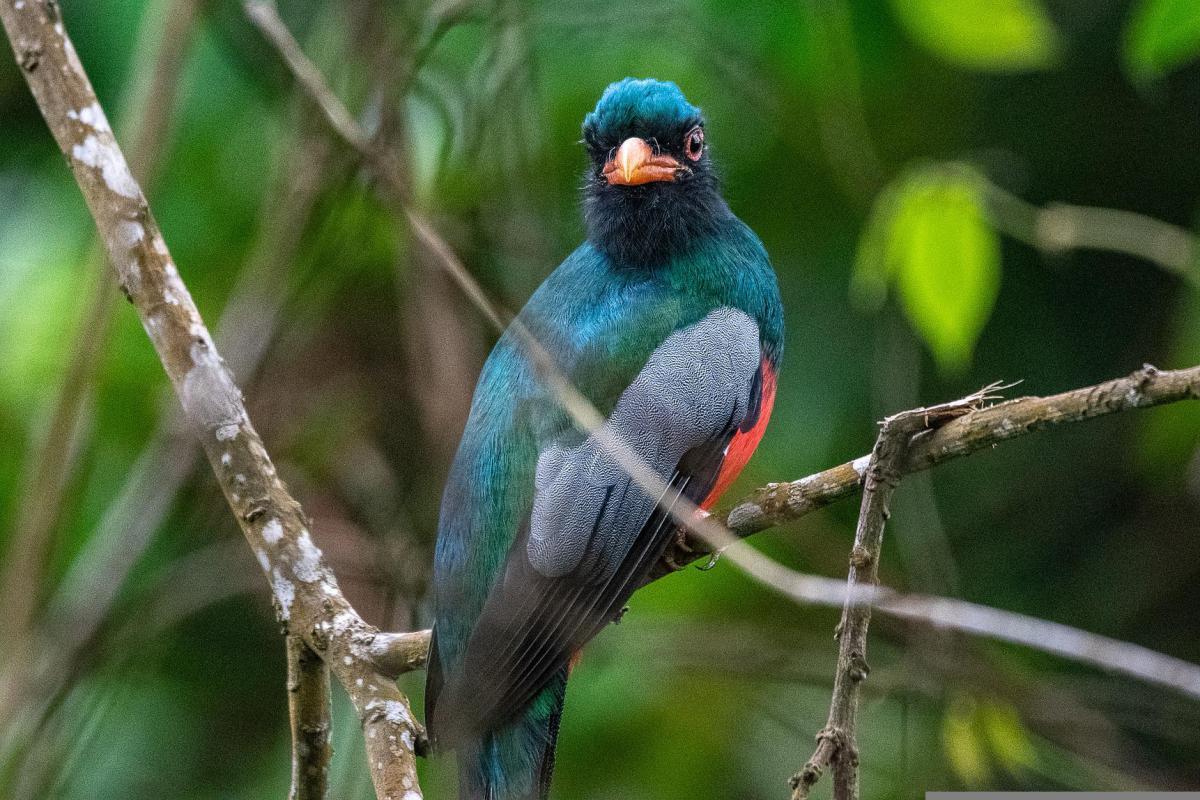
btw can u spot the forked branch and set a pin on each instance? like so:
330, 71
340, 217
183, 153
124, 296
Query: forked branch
837, 743
308, 600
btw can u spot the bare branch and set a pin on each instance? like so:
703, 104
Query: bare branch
778, 503
71, 620
306, 593
309, 712
395, 654
1059, 227
264, 15
50, 468
837, 744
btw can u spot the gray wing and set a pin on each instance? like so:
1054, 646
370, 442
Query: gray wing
594, 534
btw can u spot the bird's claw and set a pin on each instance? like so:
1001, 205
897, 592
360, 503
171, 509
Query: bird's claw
678, 545
713, 558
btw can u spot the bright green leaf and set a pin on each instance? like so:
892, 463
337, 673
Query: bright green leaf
1009, 741
930, 236
1162, 35
963, 743
947, 262
989, 35
872, 268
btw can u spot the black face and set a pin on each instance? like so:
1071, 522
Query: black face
682, 144
650, 193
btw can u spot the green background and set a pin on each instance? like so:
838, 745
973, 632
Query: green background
878, 147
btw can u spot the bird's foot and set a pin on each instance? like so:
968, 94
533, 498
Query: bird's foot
678, 547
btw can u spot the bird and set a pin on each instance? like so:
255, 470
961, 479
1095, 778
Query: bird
668, 320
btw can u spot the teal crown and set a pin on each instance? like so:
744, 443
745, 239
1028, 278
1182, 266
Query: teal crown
636, 104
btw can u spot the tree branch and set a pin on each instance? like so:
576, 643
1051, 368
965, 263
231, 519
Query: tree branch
779, 503
309, 712
1059, 227
51, 465
837, 743
396, 654
308, 600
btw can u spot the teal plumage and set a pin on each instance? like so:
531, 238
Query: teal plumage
527, 568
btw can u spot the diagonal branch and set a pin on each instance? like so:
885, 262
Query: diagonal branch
1060, 227
52, 464
308, 600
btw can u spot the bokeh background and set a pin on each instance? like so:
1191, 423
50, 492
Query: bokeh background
952, 193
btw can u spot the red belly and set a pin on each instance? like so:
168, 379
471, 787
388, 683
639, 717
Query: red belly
743, 444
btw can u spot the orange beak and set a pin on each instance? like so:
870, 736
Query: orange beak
635, 164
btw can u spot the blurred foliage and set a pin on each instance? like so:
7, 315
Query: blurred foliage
1163, 35
980, 737
860, 139
999, 35
930, 235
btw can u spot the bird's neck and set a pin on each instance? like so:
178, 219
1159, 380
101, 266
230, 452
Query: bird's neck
649, 226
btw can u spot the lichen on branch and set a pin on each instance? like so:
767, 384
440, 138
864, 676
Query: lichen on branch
306, 594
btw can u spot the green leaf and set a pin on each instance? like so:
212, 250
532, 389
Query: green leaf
963, 742
1162, 35
988, 35
929, 235
1009, 741
872, 268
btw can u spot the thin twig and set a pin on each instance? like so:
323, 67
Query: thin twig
309, 712
1060, 227
379, 160
266, 18
308, 600
837, 743
778, 503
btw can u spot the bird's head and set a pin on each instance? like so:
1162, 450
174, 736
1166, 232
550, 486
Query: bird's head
650, 191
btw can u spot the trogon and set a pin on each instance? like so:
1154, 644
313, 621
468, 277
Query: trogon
668, 320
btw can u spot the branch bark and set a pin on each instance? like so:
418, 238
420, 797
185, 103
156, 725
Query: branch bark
308, 600
309, 713
837, 743
779, 503
1061, 227
51, 465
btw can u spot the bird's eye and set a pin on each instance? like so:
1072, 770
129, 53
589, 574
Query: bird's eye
693, 143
